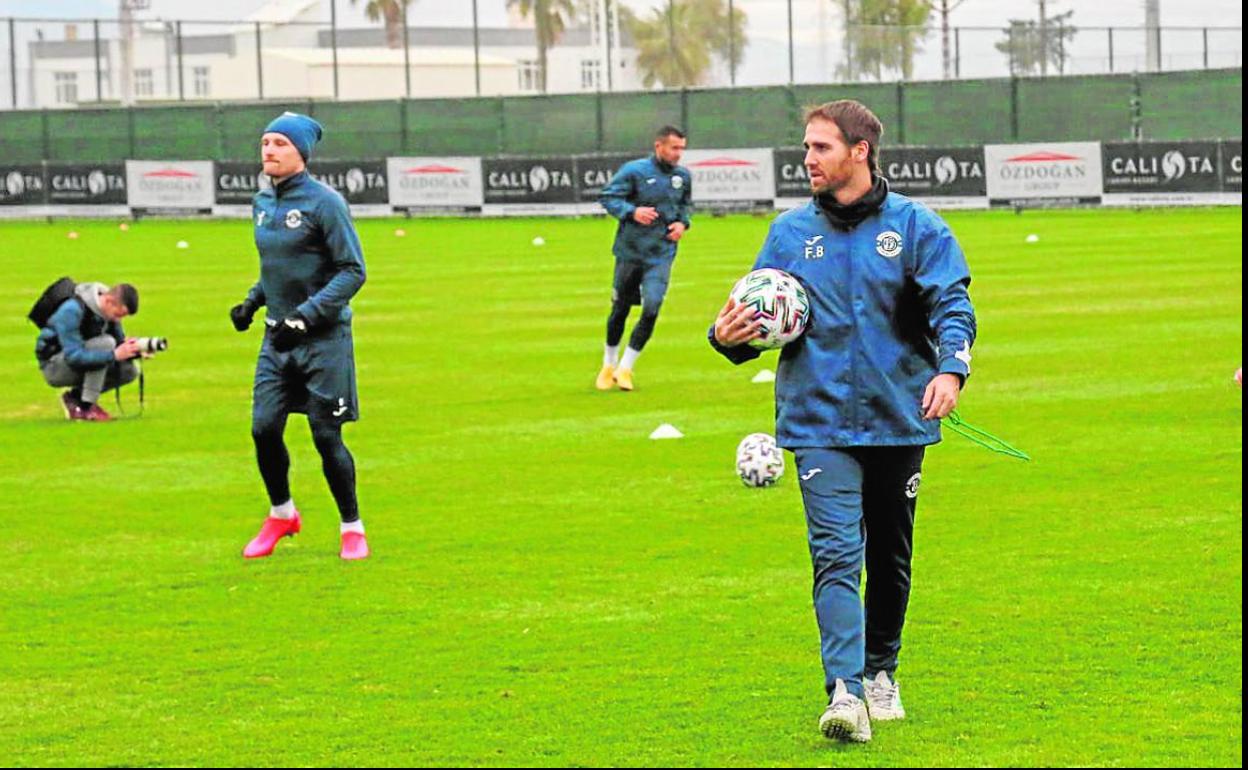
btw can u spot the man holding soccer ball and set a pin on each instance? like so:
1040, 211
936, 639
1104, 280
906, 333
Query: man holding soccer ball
652, 199
311, 266
861, 394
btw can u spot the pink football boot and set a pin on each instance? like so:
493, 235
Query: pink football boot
354, 546
274, 529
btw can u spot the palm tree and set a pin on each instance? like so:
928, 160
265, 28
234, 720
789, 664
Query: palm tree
675, 44
550, 18
883, 35
392, 12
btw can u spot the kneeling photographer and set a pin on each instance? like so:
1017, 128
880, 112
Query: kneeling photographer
82, 346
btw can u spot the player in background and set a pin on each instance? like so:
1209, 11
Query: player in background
652, 199
861, 394
311, 266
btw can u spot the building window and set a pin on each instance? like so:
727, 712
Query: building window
143, 84
199, 77
591, 74
66, 87
530, 74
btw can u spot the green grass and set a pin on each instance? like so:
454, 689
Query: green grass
550, 587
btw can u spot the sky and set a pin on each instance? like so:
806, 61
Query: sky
765, 14
816, 29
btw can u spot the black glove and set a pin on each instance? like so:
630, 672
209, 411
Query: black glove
241, 315
291, 331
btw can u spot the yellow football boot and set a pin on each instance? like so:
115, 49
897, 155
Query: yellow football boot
624, 378
606, 377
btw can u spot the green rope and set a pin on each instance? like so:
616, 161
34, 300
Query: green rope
955, 423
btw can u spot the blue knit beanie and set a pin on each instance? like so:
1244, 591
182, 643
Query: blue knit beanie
302, 131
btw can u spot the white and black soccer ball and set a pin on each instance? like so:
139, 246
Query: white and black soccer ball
781, 303
760, 463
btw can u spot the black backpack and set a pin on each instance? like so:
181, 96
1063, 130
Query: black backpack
52, 298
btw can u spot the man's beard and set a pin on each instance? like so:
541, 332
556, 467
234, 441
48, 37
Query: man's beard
830, 183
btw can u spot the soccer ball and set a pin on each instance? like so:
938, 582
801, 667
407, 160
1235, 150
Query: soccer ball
760, 463
781, 302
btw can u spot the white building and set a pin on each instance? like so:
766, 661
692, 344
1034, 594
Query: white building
297, 59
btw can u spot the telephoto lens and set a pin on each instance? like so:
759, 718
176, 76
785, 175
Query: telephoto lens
152, 344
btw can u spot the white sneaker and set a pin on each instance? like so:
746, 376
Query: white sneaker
883, 698
846, 718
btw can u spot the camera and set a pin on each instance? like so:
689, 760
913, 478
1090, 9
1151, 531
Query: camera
149, 345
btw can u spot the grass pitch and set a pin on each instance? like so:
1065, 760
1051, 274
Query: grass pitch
550, 587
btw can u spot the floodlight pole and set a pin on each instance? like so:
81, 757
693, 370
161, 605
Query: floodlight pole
732, 47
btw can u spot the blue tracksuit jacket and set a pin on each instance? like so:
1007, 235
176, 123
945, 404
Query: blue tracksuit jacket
889, 310
310, 256
647, 182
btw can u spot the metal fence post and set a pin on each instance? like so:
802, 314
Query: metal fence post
790, 4
333, 39
671, 29
1061, 49
1013, 55
901, 112
407, 55
13, 61
599, 120
1205, 34
609, 25
181, 85
1137, 109
732, 47
99, 75
502, 125
1014, 108
476, 48
957, 52
403, 126
1111, 50
259, 62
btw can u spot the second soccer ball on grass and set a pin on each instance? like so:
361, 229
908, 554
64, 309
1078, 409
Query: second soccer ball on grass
760, 463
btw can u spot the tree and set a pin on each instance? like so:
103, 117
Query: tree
392, 12
550, 19
883, 35
1032, 46
676, 44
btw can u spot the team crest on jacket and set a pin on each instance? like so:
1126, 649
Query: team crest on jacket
888, 244
294, 218
678, 182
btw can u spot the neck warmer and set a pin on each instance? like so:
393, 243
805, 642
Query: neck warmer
847, 217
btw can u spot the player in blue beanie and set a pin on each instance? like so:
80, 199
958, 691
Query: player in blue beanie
311, 266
